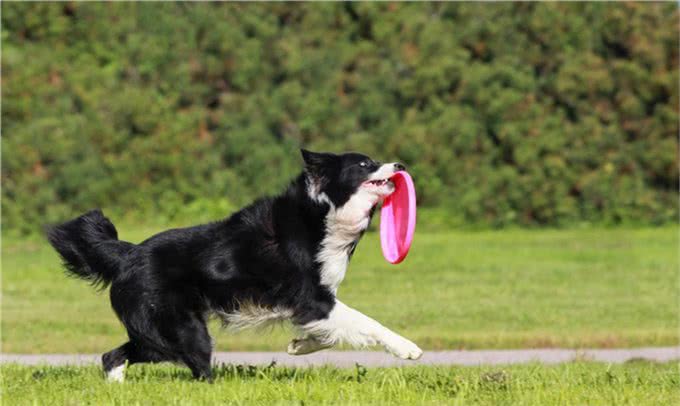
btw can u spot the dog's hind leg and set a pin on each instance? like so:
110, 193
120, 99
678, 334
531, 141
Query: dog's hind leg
114, 364
190, 345
174, 334
114, 361
195, 348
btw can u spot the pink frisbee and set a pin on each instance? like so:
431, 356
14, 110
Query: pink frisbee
398, 219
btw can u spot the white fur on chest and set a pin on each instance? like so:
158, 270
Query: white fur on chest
344, 227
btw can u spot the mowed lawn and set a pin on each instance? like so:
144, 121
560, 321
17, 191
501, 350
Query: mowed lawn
495, 289
636, 383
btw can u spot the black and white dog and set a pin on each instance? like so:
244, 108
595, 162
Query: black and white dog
280, 258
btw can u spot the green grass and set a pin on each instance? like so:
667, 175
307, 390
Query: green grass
636, 383
505, 289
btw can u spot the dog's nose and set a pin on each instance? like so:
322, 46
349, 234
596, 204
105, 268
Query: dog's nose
399, 167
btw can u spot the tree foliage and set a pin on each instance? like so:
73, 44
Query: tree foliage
530, 114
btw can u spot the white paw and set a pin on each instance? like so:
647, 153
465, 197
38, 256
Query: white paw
302, 346
116, 374
403, 348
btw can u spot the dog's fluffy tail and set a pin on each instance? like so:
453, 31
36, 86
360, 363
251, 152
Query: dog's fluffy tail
90, 247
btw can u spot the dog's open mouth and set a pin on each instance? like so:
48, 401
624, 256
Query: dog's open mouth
381, 186
378, 182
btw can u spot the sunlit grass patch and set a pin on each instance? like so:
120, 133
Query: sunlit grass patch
638, 383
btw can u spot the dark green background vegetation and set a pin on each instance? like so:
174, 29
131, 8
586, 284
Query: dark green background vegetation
529, 114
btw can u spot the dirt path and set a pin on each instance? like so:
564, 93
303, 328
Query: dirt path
376, 358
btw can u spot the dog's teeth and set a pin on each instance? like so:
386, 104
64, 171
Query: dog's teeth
378, 182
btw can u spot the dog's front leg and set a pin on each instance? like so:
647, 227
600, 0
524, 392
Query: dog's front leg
305, 345
350, 326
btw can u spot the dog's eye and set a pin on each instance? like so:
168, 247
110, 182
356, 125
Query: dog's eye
363, 164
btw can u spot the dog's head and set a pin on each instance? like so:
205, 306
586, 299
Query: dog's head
348, 177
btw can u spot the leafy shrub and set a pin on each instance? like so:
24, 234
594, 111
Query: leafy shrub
528, 114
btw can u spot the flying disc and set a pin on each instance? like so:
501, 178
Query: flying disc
398, 219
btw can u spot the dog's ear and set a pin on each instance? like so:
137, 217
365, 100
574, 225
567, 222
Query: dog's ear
315, 162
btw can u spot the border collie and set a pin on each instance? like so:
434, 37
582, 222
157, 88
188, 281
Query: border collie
280, 258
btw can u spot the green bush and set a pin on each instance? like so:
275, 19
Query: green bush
525, 114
